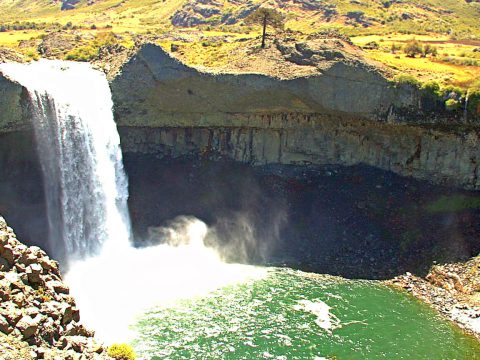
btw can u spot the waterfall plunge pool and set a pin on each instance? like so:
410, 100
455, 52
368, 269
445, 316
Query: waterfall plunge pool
291, 314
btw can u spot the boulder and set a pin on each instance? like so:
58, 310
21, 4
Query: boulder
6, 252
35, 305
67, 314
3, 224
5, 327
28, 326
34, 272
59, 287
10, 312
4, 265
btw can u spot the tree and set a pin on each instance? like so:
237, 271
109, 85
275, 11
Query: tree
265, 16
412, 48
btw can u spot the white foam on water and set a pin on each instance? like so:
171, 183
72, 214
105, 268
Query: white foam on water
325, 319
134, 280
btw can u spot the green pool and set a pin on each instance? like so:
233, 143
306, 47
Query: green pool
295, 315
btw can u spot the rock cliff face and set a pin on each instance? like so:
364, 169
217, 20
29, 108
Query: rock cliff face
346, 114
154, 89
14, 109
433, 155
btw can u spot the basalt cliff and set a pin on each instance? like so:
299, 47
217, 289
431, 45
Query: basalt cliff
344, 112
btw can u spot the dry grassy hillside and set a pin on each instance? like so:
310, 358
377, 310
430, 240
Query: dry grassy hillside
213, 34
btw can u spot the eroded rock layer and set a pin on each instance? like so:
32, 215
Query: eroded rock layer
346, 114
441, 157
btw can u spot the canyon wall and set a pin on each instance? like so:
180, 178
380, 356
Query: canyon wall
154, 89
347, 114
437, 156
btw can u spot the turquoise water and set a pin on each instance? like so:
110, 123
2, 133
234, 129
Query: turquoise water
283, 316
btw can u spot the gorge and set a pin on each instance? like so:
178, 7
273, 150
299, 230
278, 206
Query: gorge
340, 173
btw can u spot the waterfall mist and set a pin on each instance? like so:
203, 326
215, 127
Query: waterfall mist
112, 290
86, 193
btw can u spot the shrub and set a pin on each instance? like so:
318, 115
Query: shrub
394, 48
452, 105
429, 50
474, 102
372, 45
121, 352
407, 80
32, 54
452, 92
412, 48
85, 53
431, 88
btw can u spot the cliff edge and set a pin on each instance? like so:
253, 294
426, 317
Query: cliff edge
155, 89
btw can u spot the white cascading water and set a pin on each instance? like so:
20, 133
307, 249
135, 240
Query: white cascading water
86, 190
85, 184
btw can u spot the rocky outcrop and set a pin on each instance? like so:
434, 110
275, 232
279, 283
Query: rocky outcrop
14, 111
345, 112
36, 307
438, 156
154, 89
212, 12
451, 289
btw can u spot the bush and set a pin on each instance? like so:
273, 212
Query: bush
412, 48
474, 102
372, 45
452, 105
452, 92
121, 352
84, 53
407, 80
431, 88
429, 50
394, 48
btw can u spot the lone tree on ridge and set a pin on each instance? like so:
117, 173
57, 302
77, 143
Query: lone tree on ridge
265, 16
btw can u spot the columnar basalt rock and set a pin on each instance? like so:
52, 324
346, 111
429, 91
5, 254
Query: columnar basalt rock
36, 306
347, 114
438, 156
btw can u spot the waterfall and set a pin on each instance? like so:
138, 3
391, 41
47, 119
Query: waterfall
79, 148
465, 109
86, 193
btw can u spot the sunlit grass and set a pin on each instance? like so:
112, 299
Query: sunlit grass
425, 68
12, 38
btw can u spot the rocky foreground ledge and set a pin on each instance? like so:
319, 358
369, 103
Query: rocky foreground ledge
451, 289
38, 317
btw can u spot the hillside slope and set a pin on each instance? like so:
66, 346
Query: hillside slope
458, 17
213, 33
